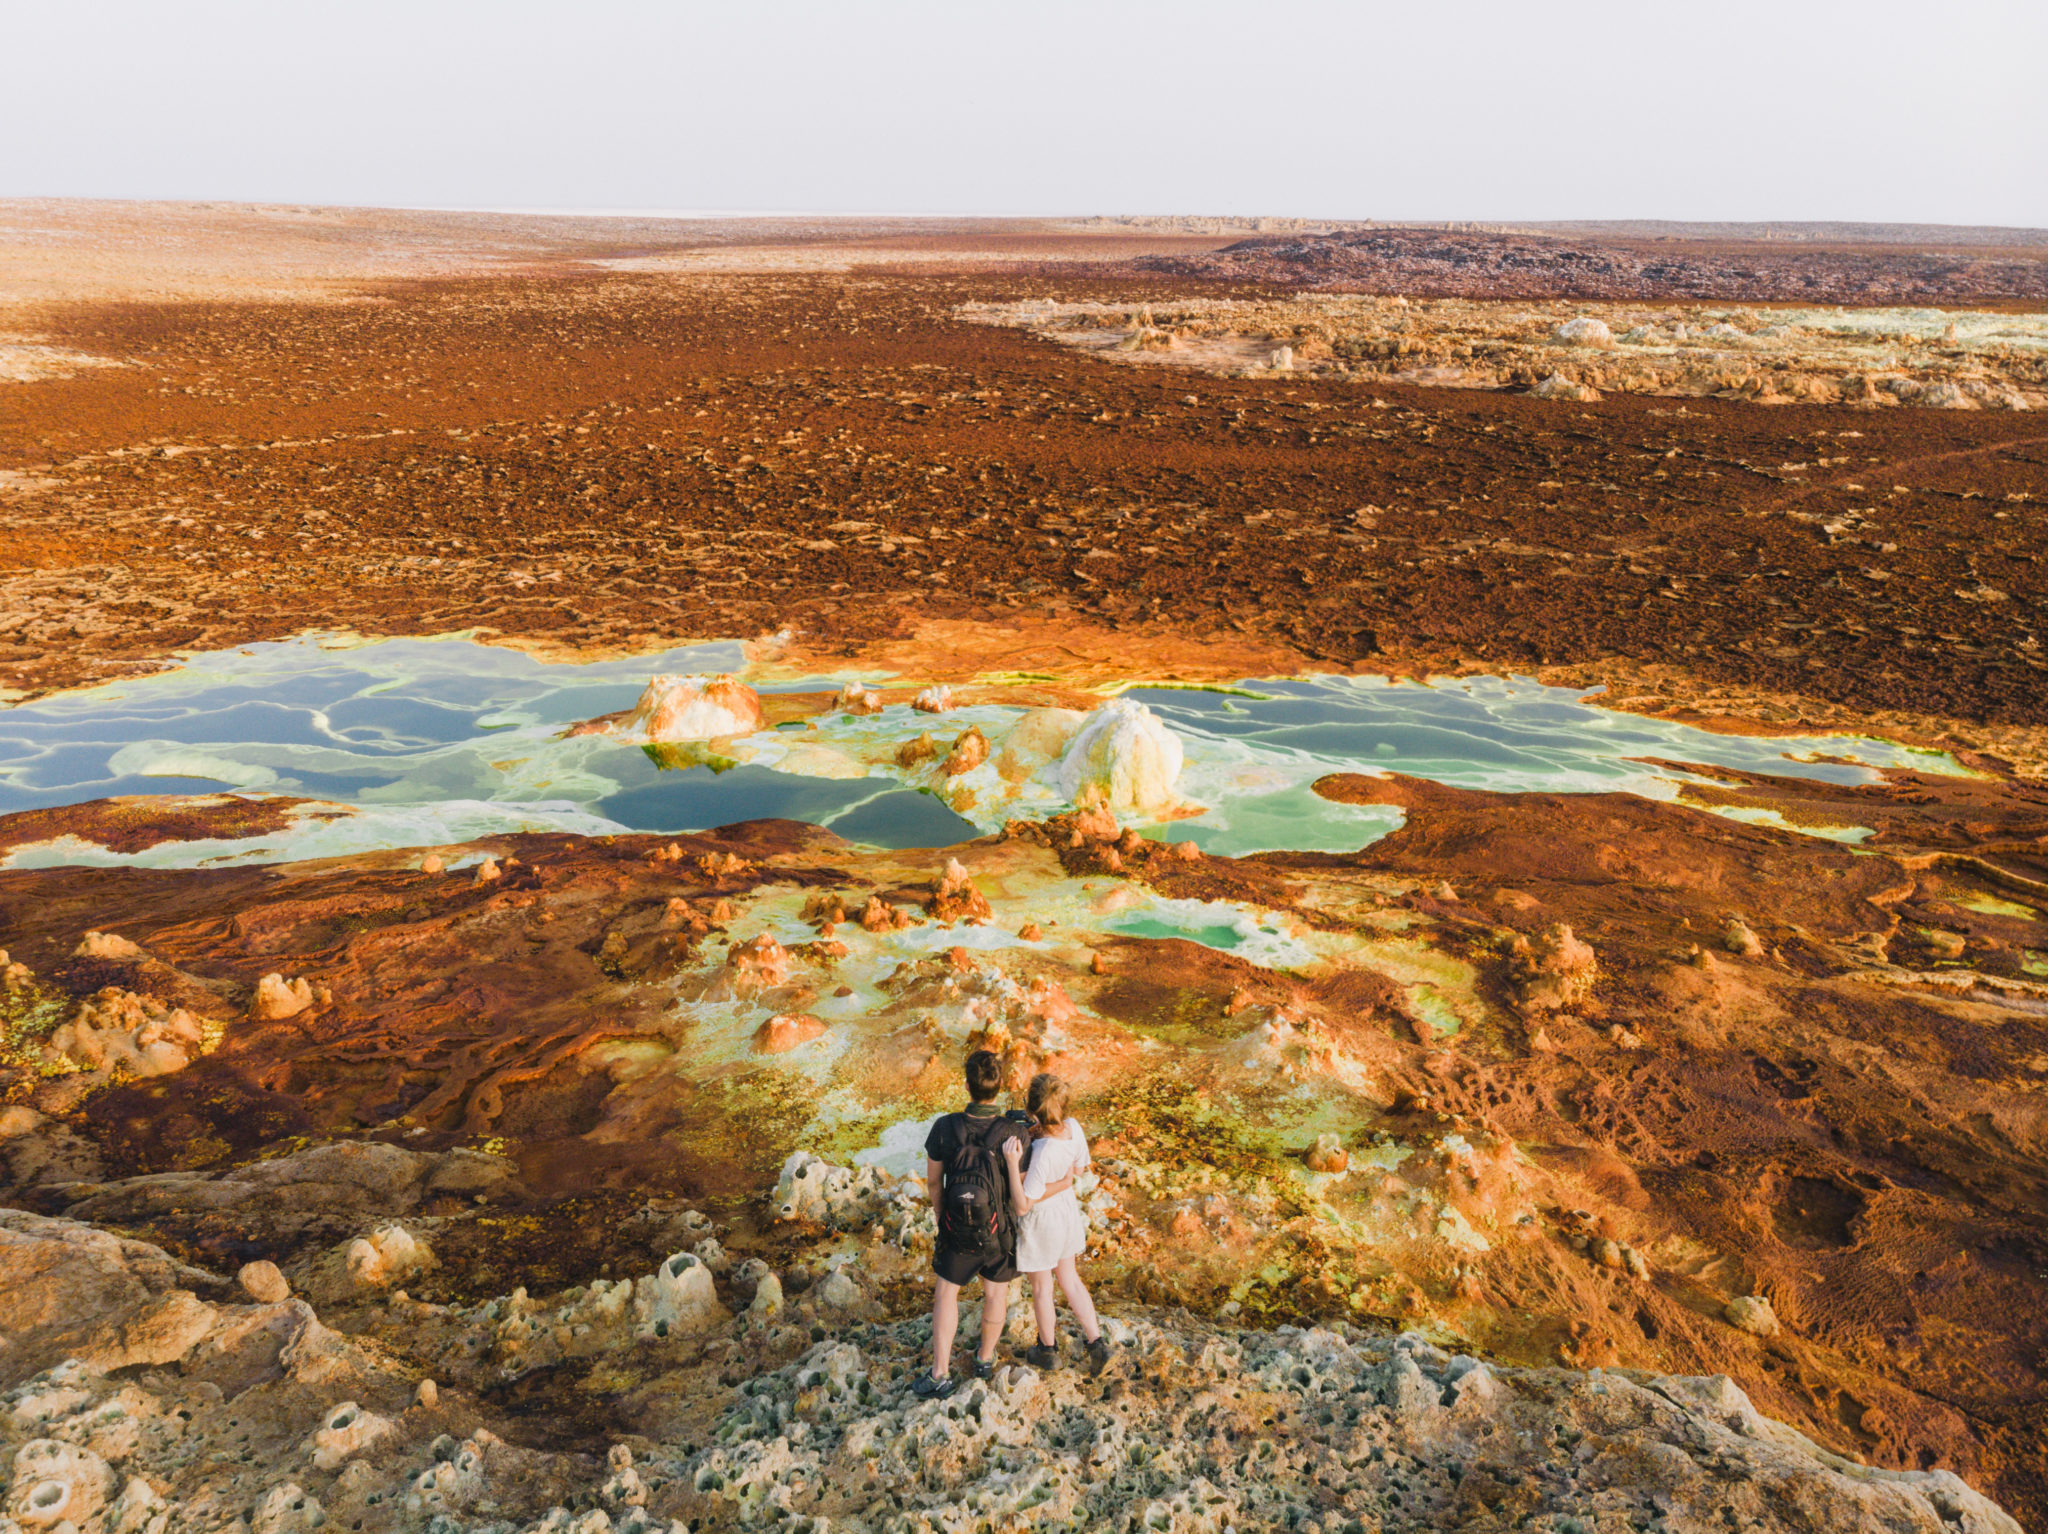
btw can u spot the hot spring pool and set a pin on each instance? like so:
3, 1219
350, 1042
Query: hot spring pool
433, 741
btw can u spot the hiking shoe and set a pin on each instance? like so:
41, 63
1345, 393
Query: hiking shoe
932, 1388
1098, 1355
1041, 1355
984, 1368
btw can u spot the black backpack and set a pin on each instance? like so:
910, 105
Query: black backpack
974, 1210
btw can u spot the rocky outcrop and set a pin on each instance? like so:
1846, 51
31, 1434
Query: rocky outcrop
262, 1282
136, 1407
1350, 1432
1201, 1428
62, 1275
1039, 737
1328, 1154
1752, 1313
308, 1190
1555, 971
813, 1189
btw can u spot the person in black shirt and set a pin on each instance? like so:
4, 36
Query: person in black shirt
968, 1180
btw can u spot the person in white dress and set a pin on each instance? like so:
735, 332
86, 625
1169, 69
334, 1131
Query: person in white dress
1052, 1232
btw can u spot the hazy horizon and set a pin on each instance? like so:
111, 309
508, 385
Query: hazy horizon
1481, 111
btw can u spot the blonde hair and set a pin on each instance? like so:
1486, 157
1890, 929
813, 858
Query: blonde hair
1047, 1101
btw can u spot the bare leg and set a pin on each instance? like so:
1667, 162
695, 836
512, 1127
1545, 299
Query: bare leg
995, 1312
945, 1322
1077, 1298
1041, 1305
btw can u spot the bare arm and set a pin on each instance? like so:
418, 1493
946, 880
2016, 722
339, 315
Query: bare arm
934, 1179
1013, 1156
1013, 1159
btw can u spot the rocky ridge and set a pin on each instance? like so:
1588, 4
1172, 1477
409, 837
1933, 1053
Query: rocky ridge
146, 1396
1476, 263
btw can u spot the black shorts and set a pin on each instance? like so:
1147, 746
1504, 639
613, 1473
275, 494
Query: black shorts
963, 1268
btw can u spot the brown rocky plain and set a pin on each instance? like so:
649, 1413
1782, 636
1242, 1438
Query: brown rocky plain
545, 1164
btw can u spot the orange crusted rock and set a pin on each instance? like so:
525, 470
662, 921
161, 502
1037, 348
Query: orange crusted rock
761, 960
880, 916
722, 865
785, 1031
1328, 1154
968, 752
1556, 972
954, 897
854, 698
1096, 824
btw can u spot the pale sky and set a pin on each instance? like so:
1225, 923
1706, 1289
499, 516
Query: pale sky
1482, 109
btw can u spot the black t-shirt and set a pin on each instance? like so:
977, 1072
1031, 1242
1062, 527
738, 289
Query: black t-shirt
951, 1131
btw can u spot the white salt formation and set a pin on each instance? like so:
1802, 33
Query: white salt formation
1038, 738
1973, 359
387, 1256
118, 1031
685, 708
277, 998
1557, 386
110, 946
1126, 755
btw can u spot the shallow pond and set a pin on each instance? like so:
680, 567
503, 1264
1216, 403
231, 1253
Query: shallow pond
433, 741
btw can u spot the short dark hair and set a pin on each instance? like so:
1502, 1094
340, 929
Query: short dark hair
984, 1075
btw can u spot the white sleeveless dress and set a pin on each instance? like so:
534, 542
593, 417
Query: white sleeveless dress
1056, 1228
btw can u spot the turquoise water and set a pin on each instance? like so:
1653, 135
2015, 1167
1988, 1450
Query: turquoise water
1254, 758
433, 740
439, 740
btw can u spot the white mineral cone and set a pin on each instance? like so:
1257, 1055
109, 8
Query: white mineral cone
1038, 738
1126, 753
1585, 331
681, 708
679, 1297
